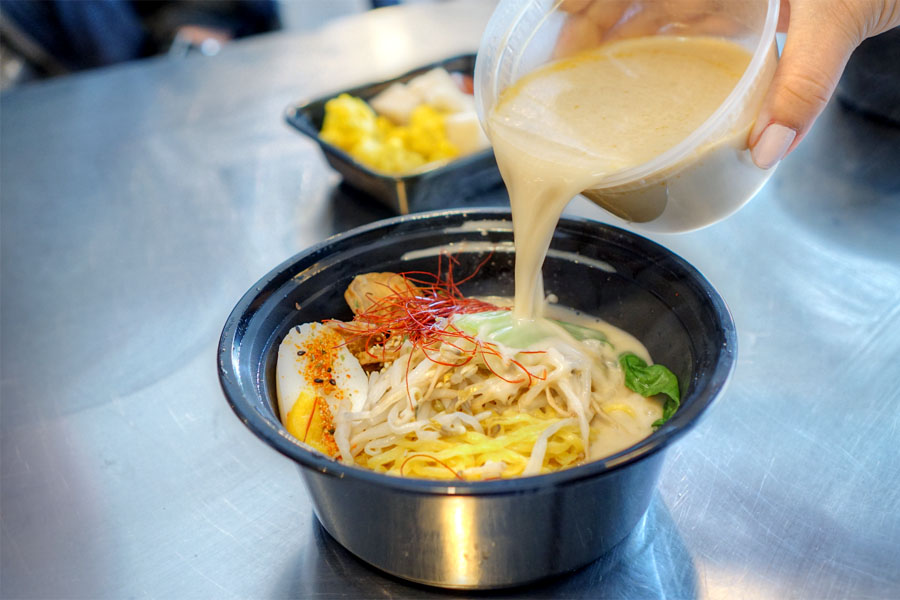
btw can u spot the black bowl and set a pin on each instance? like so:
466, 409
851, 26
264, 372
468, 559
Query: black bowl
486, 534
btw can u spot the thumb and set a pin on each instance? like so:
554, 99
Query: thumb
816, 50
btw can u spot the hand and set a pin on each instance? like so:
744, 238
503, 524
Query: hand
821, 35
593, 22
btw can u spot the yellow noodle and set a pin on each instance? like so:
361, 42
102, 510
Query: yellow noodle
516, 434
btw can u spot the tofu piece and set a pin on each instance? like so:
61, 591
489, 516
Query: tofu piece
465, 132
438, 89
396, 103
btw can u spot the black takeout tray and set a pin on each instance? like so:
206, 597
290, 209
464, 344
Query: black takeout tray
461, 182
526, 528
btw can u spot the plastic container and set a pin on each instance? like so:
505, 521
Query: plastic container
708, 175
465, 181
485, 534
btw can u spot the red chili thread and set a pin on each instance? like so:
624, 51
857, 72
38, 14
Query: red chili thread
419, 313
429, 457
309, 421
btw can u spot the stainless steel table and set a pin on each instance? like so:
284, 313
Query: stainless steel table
140, 202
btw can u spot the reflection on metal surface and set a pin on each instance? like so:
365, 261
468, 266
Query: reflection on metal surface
458, 542
848, 200
652, 562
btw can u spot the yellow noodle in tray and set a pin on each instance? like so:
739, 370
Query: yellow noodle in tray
425, 382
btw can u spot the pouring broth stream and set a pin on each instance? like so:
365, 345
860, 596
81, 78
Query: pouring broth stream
576, 123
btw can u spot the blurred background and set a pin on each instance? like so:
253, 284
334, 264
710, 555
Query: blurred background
40, 39
48, 38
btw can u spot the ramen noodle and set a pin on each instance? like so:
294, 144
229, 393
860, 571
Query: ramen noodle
425, 382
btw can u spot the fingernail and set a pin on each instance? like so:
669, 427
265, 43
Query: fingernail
773, 144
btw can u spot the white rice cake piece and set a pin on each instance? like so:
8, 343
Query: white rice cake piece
438, 89
397, 103
464, 131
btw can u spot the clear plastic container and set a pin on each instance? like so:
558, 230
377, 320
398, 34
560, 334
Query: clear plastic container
708, 175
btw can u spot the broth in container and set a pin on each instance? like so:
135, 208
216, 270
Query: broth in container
652, 128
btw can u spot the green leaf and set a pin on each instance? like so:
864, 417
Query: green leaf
500, 326
583, 333
650, 381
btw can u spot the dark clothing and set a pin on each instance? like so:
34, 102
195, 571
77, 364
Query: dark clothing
90, 33
80, 35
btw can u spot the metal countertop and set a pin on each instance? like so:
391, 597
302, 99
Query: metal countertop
139, 202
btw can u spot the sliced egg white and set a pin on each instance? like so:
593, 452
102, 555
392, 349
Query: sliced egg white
303, 357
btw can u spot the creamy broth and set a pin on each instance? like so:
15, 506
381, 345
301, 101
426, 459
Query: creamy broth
623, 417
574, 123
615, 429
